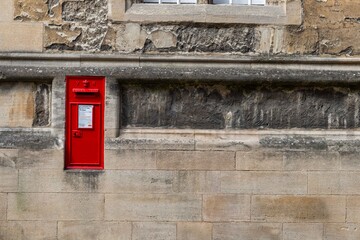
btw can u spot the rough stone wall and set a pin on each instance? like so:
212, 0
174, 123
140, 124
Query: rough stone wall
329, 28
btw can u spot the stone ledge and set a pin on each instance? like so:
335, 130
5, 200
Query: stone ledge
152, 68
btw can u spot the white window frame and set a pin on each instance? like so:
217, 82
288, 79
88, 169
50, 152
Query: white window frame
285, 13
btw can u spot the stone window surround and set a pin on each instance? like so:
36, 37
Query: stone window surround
286, 13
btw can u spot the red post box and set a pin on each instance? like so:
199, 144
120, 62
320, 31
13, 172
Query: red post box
84, 146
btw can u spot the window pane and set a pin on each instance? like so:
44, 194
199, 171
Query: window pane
245, 2
220, 1
258, 2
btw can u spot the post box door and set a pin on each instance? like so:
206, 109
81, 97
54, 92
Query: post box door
85, 123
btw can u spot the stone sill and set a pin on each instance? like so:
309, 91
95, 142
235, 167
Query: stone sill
289, 13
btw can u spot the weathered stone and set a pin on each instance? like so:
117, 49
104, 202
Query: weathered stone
213, 39
57, 180
74, 230
348, 231
340, 41
319, 160
259, 160
298, 208
226, 208
62, 38
55, 206
162, 39
9, 179
137, 182
195, 160
18, 101
6, 10
42, 105
353, 209
247, 231
130, 37
15, 37
154, 231
8, 157
36, 230
350, 161
47, 158
3, 206
130, 159
263, 182
333, 182
194, 231
27, 139
148, 207
38, 10
301, 41
197, 181
300, 231
239, 107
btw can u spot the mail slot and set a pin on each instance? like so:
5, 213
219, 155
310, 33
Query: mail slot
84, 148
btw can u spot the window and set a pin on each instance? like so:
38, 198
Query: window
287, 12
229, 2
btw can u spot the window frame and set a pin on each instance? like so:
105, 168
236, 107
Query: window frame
285, 13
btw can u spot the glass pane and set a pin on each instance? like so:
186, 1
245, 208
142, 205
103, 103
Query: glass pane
220, 1
258, 2
242, 2
151, 1
168, 1
188, 1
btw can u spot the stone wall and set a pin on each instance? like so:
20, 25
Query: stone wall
327, 28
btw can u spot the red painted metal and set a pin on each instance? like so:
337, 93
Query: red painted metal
84, 146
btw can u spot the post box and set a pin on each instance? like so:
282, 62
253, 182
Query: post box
84, 138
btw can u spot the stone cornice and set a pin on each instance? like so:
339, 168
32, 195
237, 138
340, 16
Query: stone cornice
228, 68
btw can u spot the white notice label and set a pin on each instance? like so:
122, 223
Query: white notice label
85, 116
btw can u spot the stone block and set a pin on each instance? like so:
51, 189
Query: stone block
130, 37
247, 231
301, 231
301, 41
298, 208
226, 207
44, 159
197, 181
163, 39
333, 182
154, 231
221, 142
194, 231
55, 206
6, 10
3, 206
353, 209
350, 161
74, 230
195, 160
38, 10
130, 159
340, 40
8, 179
152, 207
17, 108
299, 161
264, 182
21, 37
259, 160
343, 231
54, 180
34, 230
137, 181
8, 157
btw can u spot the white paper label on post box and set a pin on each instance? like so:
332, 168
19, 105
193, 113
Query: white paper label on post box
85, 116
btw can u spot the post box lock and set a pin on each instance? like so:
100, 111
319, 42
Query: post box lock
77, 133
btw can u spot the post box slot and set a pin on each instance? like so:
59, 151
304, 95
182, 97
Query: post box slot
85, 90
